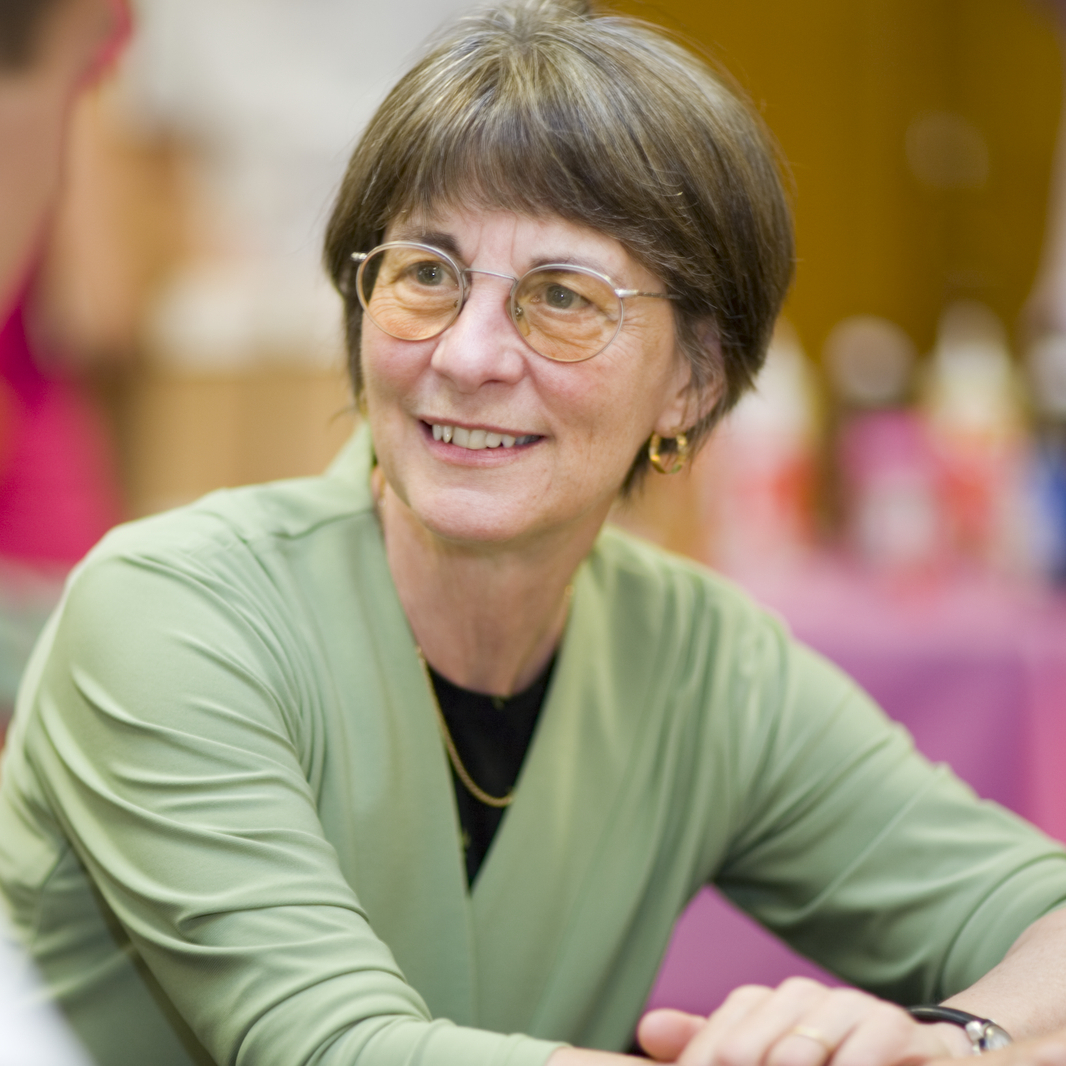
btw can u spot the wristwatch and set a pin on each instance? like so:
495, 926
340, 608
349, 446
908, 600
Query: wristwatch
984, 1034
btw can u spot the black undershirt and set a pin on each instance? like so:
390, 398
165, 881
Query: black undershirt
492, 736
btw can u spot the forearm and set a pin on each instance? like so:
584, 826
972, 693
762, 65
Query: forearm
1026, 992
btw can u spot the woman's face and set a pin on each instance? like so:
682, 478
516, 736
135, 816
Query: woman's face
576, 426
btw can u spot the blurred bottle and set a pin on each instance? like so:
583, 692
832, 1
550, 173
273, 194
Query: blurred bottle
884, 458
760, 475
972, 397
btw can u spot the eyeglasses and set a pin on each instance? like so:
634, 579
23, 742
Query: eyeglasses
567, 313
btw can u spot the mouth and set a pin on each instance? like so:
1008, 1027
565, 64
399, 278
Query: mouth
476, 440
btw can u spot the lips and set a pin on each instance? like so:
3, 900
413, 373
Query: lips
477, 439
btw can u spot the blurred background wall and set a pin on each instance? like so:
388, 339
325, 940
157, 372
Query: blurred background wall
920, 135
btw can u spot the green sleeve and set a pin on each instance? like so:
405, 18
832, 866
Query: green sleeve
172, 740
849, 844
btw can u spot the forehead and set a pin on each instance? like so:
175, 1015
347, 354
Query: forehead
479, 236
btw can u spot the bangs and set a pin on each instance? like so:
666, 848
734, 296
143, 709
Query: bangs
547, 129
509, 145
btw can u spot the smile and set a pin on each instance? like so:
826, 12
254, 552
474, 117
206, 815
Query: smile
476, 439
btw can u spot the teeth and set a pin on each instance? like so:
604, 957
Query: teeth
477, 439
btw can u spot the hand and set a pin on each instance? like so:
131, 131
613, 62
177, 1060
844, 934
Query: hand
800, 1023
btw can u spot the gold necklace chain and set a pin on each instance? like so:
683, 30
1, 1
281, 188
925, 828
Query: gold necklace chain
449, 744
453, 753
461, 771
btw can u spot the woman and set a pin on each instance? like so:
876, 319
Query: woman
255, 742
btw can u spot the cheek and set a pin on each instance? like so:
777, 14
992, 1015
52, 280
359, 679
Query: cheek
619, 401
610, 416
389, 366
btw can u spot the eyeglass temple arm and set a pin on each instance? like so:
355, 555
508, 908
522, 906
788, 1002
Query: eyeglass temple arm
624, 293
345, 282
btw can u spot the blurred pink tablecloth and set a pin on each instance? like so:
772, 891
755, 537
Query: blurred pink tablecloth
974, 668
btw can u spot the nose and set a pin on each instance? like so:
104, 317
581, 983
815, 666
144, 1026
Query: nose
482, 345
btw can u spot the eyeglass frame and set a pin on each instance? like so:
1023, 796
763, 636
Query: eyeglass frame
461, 272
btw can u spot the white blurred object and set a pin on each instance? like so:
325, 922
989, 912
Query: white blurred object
762, 466
973, 402
870, 361
972, 385
272, 96
32, 1032
224, 316
1046, 365
781, 407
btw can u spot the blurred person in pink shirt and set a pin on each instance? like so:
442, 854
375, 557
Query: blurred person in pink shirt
57, 489
49, 50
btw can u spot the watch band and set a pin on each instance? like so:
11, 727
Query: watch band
984, 1034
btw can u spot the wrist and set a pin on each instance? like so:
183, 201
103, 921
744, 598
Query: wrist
983, 1034
954, 1039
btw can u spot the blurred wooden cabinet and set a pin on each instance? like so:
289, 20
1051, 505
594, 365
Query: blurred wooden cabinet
188, 434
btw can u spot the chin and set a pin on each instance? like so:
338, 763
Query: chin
461, 519
485, 530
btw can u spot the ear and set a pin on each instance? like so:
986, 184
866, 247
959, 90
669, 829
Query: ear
689, 402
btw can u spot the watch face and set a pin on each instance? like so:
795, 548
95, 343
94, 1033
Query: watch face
994, 1037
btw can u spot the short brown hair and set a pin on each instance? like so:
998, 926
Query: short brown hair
546, 107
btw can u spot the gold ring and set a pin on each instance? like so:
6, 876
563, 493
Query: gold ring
813, 1034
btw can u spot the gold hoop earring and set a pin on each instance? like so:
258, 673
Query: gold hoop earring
680, 456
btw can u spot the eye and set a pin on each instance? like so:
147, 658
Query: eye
429, 273
561, 298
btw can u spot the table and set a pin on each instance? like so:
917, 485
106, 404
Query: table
974, 667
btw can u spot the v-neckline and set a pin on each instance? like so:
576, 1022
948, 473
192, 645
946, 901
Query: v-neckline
510, 928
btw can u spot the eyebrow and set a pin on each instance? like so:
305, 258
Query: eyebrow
447, 243
444, 241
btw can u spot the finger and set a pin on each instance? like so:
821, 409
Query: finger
664, 1034
818, 1035
885, 1035
742, 1036
803, 1045
852, 1028
736, 1007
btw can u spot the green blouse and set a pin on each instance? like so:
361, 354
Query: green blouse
228, 831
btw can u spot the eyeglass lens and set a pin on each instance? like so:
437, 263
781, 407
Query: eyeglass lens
563, 313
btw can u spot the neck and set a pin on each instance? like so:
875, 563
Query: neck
487, 620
